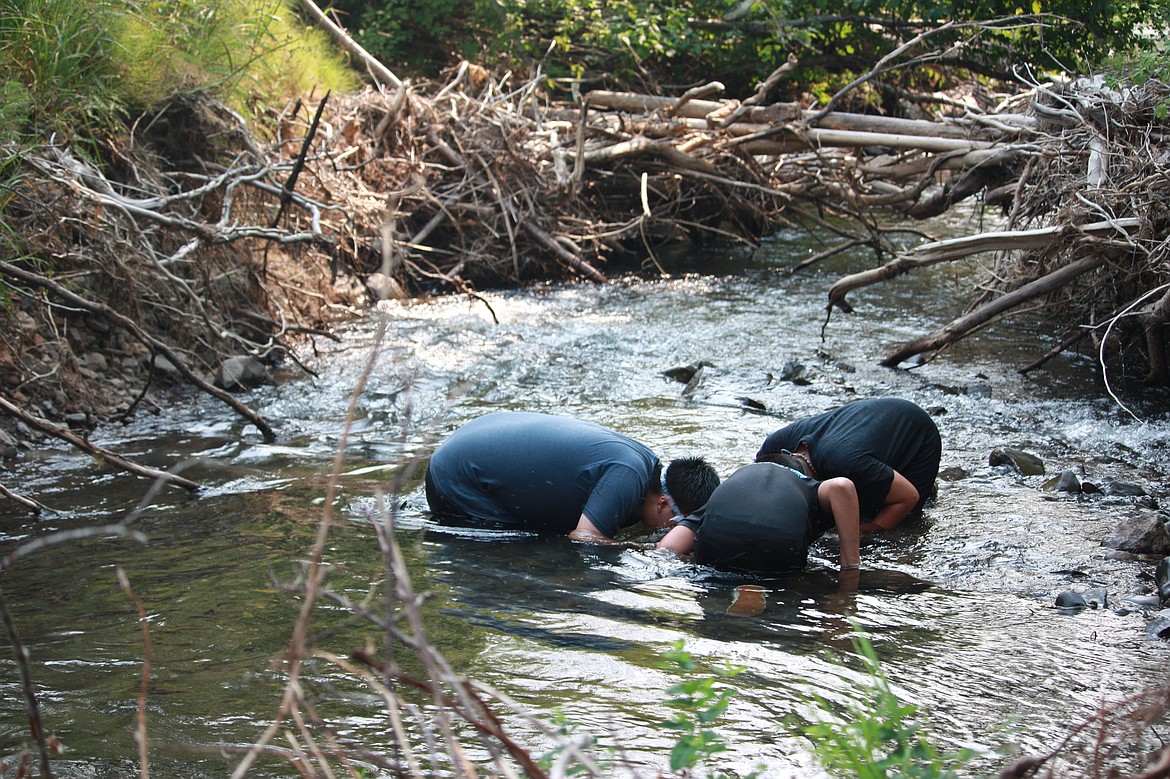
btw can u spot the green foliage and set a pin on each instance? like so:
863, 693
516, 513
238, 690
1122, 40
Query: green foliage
668, 44
698, 701
1147, 65
420, 37
54, 55
883, 737
241, 49
75, 67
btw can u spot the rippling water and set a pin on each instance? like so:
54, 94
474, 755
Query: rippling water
957, 605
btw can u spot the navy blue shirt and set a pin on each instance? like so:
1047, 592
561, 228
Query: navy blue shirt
866, 441
542, 472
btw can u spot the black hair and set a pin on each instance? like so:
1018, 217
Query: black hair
690, 482
787, 459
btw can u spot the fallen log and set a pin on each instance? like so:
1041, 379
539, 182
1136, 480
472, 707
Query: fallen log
767, 139
641, 147
99, 453
888, 168
713, 111
928, 254
960, 327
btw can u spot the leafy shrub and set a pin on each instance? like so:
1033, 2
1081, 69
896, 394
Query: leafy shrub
882, 737
699, 699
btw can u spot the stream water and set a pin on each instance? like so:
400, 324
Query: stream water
958, 605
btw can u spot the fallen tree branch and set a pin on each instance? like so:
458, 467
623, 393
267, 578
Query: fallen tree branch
290, 184
46, 743
762, 90
965, 324
99, 453
382, 74
928, 254
777, 113
155, 345
641, 147
562, 254
23, 500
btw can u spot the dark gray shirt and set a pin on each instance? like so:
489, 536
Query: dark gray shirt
762, 519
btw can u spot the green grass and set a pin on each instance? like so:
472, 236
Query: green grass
79, 68
58, 73
240, 49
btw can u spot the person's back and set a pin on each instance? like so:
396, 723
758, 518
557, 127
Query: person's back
541, 472
762, 518
867, 441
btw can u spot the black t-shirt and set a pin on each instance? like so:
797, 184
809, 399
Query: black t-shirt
866, 441
761, 519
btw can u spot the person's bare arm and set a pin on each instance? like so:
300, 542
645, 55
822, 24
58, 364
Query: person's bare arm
588, 533
680, 540
900, 501
838, 497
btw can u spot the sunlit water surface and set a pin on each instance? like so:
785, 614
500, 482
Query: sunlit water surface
958, 604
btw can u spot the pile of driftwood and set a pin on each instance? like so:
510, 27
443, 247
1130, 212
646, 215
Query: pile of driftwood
494, 186
1086, 233
506, 187
483, 184
199, 237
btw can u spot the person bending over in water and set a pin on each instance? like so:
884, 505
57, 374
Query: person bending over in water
763, 519
552, 473
888, 447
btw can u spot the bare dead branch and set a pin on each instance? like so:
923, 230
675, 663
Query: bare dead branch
102, 455
156, 345
965, 324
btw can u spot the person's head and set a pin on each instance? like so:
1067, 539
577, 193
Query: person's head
690, 481
787, 459
678, 490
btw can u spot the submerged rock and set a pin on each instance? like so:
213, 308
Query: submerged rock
383, 287
685, 374
1067, 481
751, 404
1162, 578
1070, 601
1124, 488
1096, 597
164, 367
1142, 534
1142, 601
953, 473
748, 600
1159, 626
241, 373
795, 372
1025, 463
